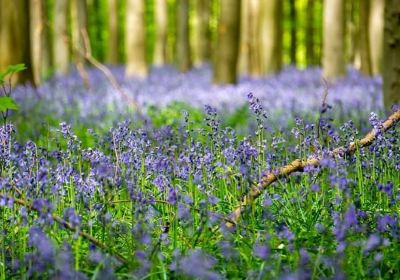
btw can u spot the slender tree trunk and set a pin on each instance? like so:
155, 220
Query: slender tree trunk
225, 65
376, 23
351, 34
112, 50
310, 52
255, 66
14, 37
37, 39
363, 25
47, 61
202, 32
182, 36
79, 26
249, 48
61, 56
161, 18
293, 36
271, 36
244, 42
391, 54
136, 39
333, 60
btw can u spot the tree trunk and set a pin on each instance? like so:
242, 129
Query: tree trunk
112, 50
227, 48
182, 36
255, 69
391, 54
293, 36
60, 36
37, 39
271, 36
78, 27
310, 52
243, 60
249, 47
202, 32
363, 24
161, 18
47, 61
351, 34
376, 34
333, 60
14, 37
135, 39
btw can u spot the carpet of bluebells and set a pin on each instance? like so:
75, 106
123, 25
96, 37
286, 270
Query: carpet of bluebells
108, 194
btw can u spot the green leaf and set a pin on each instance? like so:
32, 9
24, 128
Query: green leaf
11, 70
7, 102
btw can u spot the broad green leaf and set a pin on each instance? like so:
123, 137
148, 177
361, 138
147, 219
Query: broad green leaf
7, 102
12, 69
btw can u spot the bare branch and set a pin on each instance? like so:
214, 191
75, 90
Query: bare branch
298, 165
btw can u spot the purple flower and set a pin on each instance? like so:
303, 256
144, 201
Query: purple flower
373, 241
260, 251
198, 264
350, 217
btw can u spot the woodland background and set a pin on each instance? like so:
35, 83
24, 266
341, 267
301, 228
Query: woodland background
248, 37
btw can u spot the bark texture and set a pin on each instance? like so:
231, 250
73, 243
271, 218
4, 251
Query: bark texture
14, 37
61, 55
271, 36
391, 54
227, 48
135, 39
161, 18
113, 40
375, 28
182, 36
333, 60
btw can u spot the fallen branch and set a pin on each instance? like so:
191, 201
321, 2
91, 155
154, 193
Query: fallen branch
298, 165
68, 226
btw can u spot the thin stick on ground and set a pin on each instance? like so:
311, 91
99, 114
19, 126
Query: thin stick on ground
298, 165
70, 227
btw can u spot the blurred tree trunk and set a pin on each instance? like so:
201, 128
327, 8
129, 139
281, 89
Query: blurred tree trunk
15, 37
38, 39
135, 39
391, 54
351, 34
376, 34
293, 36
310, 52
333, 60
249, 48
227, 48
363, 41
202, 32
255, 69
161, 18
60, 37
78, 27
182, 36
271, 36
244, 42
112, 50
